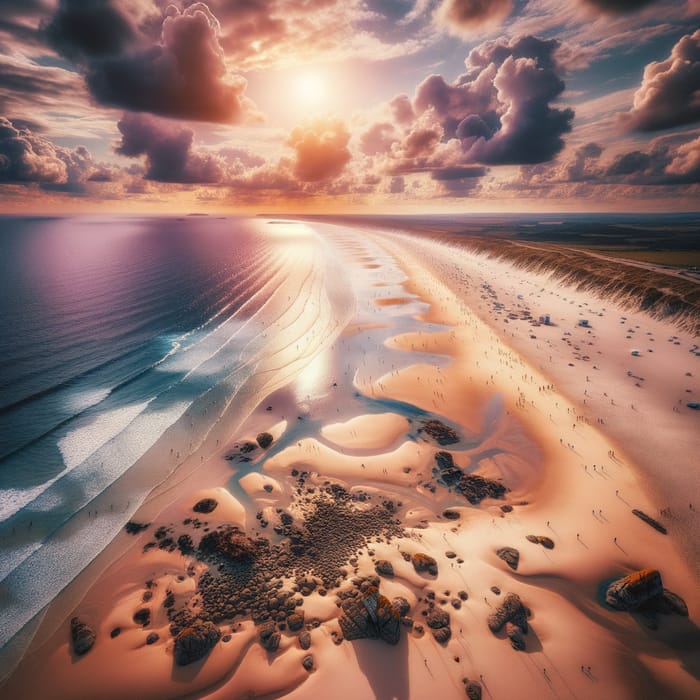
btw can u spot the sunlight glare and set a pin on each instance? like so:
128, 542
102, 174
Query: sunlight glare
311, 88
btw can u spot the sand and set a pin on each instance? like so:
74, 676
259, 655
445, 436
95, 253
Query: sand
429, 342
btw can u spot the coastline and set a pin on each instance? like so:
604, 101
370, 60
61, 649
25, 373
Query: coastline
416, 342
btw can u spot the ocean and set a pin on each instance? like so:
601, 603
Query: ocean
131, 342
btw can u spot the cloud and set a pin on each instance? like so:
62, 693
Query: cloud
170, 156
321, 148
618, 6
183, 74
469, 16
669, 95
85, 29
26, 157
501, 109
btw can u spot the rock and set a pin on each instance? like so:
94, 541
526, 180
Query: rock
308, 662
401, 605
229, 542
185, 544
546, 542
133, 528
424, 562
82, 637
515, 634
495, 590
195, 642
271, 643
115, 632
268, 488
650, 521
442, 635
296, 621
450, 514
632, 591
384, 568
152, 638
473, 689
507, 508
142, 617
675, 603
437, 618
441, 433
456, 603
264, 440
476, 488
206, 505
510, 556
511, 610
370, 616
450, 554
305, 640
450, 473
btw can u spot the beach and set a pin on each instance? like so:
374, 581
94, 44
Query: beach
430, 492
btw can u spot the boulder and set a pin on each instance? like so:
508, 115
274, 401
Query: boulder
473, 689
384, 568
424, 563
510, 556
632, 591
308, 662
264, 440
305, 640
82, 637
450, 514
546, 542
206, 505
675, 603
370, 616
401, 605
515, 634
437, 618
442, 635
295, 621
511, 610
195, 642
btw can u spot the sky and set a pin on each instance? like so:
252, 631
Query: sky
357, 106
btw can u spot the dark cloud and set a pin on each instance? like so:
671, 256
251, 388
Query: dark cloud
618, 6
26, 157
584, 164
90, 28
668, 95
501, 107
459, 172
182, 75
321, 149
170, 156
466, 16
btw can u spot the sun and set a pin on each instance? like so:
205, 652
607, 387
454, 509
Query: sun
311, 88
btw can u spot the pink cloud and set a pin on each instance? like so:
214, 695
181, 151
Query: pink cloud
321, 149
669, 95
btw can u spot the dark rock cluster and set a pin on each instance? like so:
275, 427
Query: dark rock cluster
473, 487
512, 615
195, 642
441, 433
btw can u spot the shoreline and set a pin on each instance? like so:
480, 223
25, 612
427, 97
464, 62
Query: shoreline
427, 349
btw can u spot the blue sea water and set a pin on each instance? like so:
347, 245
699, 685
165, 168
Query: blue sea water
115, 332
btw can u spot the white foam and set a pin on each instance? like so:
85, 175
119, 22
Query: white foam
80, 443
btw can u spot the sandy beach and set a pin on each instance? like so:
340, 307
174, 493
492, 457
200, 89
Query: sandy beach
428, 496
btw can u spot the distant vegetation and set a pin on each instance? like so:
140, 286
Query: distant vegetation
663, 295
